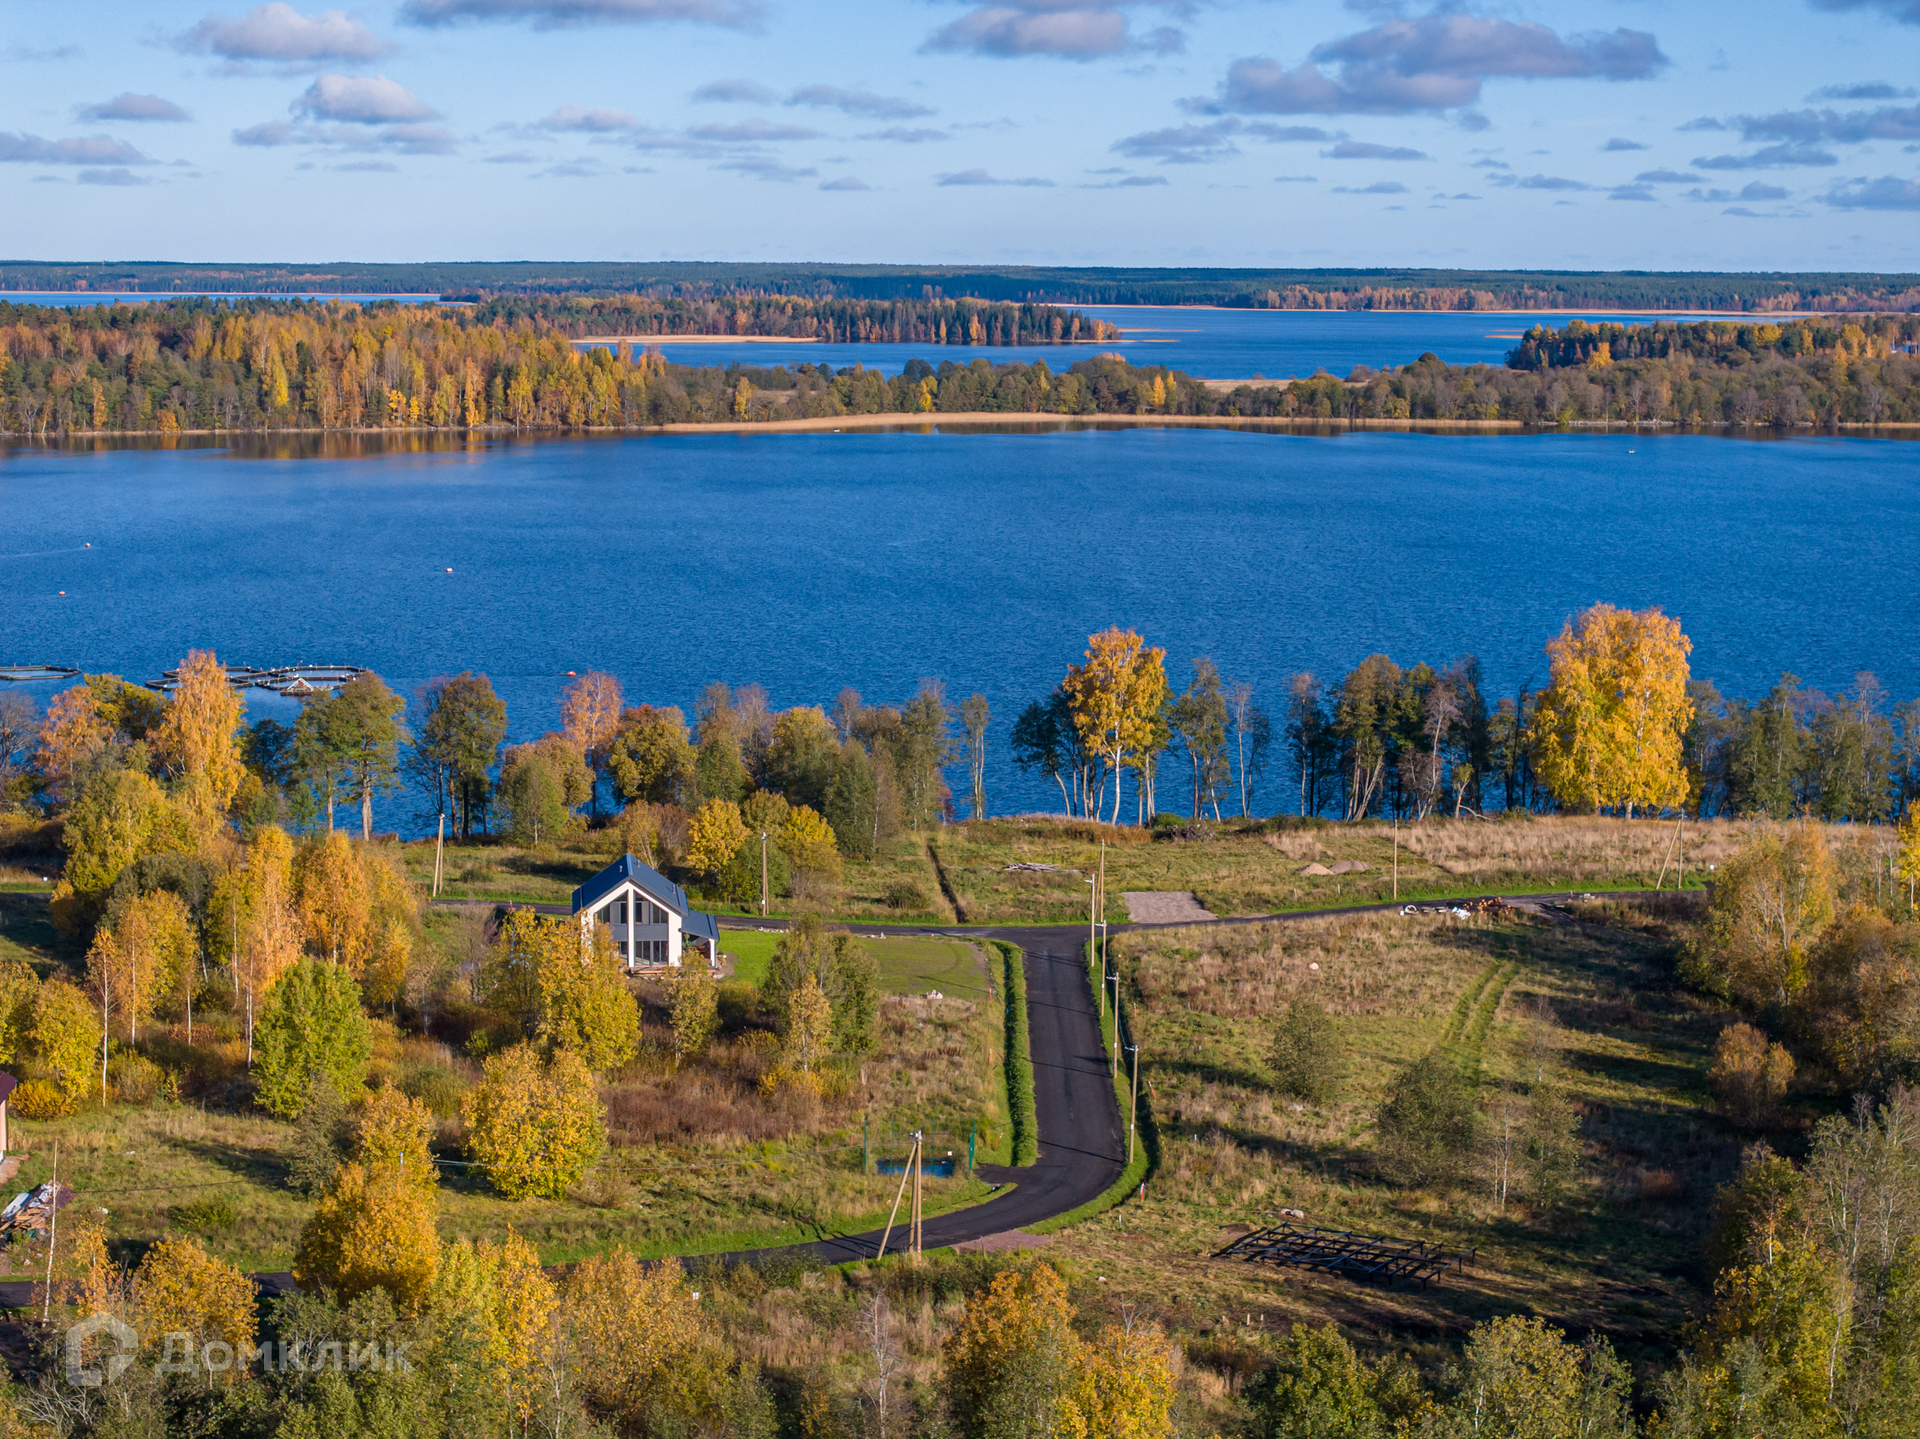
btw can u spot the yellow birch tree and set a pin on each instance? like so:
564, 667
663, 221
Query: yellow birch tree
1115, 697
1609, 727
196, 738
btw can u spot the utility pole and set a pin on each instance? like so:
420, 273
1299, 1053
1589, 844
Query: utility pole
1093, 945
53, 1231
1396, 861
439, 845
763, 874
1133, 1113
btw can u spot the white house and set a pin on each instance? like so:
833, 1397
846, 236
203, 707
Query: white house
648, 914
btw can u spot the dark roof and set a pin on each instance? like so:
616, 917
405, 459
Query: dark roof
703, 926
7, 1085
626, 868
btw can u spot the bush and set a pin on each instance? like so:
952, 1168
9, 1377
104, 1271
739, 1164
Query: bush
534, 1129
1426, 1123
311, 1024
1749, 1076
437, 1087
206, 1216
1306, 1054
134, 1079
40, 1099
906, 896
320, 1138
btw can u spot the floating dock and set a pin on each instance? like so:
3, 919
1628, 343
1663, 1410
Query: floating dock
22, 674
298, 681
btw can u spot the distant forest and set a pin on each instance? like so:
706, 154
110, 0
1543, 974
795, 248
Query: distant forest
288, 365
913, 322
1317, 289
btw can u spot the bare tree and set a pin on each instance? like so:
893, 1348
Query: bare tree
974, 715
876, 1320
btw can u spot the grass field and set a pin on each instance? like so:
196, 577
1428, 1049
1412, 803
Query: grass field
1624, 1257
703, 1159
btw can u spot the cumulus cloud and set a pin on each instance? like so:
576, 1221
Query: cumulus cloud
361, 100
1887, 193
1130, 182
1434, 62
580, 119
1616, 144
278, 32
1060, 28
1293, 179
1378, 187
1630, 192
1540, 182
25, 149
35, 53
118, 175
1758, 191
559, 14
129, 106
735, 92
845, 182
1367, 150
1855, 127
1665, 177
861, 103
981, 177
1770, 157
1907, 12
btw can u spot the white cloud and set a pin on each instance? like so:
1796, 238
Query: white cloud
862, 103
981, 177
592, 122
278, 32
1065, 29
361, 100
558, 14
24, 149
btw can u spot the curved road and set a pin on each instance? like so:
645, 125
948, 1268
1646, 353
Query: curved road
1083, 1147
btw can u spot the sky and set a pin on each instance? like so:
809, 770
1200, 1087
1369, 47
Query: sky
1602, 134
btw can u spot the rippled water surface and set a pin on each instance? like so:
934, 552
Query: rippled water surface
809, 562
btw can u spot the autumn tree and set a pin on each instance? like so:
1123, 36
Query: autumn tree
64, 1038
590, 715
566, 993
842, 969
693, 1000
808, 842
393, 1130
1769, 906
672, 1366
181, 1289
1116, 696
533, 1128
19, 987
369, 733
1014, 1364
1610, 726
1199, 721
73, 733
312, 1024
540, 785
196, 742
252, 923
1126, 1382
1521, 1376
373, 1228
143, 961
120, 816
715, 836
1749, 1075
495, 1309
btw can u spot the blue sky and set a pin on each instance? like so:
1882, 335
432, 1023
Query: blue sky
1608, 134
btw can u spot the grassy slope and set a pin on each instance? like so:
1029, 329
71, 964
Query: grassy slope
938, 1065
1624, 1257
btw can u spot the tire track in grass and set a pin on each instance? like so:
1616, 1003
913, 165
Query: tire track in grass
1463, 1006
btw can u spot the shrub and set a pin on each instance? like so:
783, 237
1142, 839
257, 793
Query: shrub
206, 1216
40, 1099
906, 896
65, 1039
1749, 1076
320, 1138
134, 1079
437, 1087
1306, 1053
1426, 1123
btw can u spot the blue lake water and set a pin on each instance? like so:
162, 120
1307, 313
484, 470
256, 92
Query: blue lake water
811, 561
1213, 344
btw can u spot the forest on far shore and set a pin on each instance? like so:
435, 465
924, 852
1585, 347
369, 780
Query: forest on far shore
263, 365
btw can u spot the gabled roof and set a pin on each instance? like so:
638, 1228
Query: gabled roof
703, 926
624, 870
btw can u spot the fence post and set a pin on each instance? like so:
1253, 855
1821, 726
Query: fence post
866, 1144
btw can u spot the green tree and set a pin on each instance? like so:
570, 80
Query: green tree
311, 1024
368, 716
461, 729
718, 770
1318, 1388
1306, 1053
846, 973
533, 793
852, 802
1426, 1122
1523, 1380
800, 759
1198, 719
650, 758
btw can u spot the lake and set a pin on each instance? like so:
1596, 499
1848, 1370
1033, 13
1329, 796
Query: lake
1213, 344
811, 561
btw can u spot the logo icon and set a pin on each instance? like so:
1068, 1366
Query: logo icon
126, 1340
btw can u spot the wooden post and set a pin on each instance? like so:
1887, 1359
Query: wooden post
439, 846
1396, 861
886, 1233
1133, 1113
763, 874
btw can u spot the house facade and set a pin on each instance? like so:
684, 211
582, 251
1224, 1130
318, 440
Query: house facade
648, 916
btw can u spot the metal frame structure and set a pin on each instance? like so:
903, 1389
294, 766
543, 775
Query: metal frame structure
1367, 1258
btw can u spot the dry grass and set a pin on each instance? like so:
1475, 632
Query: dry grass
1596, 996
